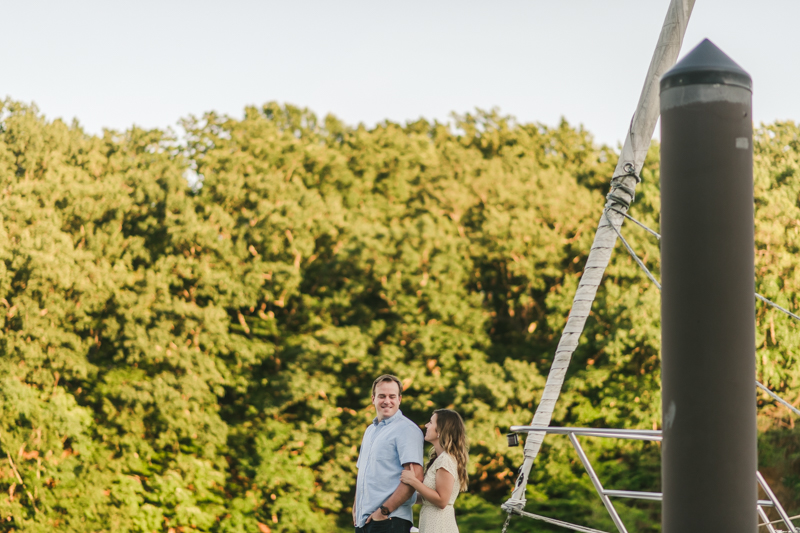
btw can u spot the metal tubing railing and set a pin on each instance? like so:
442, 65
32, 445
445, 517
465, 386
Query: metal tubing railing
658, 496
778, 507
633, 434
605, 494
764, 518
597, 485
636, 495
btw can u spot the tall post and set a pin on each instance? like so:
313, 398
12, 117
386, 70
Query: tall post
707, 305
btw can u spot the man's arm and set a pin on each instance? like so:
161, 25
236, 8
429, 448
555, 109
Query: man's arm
440, 496
358, 466
402, 493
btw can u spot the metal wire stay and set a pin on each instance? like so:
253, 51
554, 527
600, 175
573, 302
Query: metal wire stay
647, 272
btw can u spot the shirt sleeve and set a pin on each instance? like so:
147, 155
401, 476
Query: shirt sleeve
409, 446
361, 448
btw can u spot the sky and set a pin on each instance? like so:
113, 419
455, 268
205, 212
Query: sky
115, 64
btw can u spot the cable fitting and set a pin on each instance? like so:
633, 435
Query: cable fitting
617, 199
617, 182
630, 171
511, 505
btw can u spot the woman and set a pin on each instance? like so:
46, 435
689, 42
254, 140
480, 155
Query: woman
445, 474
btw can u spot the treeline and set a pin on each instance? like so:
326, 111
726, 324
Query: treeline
190, 325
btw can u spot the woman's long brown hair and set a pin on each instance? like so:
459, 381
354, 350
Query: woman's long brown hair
453, 439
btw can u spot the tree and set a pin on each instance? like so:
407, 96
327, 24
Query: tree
185, 356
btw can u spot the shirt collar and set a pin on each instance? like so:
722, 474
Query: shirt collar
389, 420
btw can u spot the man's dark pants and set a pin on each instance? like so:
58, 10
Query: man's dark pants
392, 525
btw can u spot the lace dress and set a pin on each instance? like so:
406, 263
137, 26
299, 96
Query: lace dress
431, 518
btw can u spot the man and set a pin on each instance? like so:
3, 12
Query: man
391, 444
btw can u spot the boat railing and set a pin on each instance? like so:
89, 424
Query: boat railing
606, 494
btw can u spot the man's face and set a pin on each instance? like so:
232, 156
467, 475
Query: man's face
386, 399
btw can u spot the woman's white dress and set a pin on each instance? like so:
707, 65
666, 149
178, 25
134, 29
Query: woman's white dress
431, 518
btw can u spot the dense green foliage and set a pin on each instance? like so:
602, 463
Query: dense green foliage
196, 354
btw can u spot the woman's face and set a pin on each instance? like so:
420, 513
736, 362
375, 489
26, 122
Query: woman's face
431, 433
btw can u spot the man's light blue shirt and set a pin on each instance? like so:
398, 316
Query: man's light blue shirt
387, 445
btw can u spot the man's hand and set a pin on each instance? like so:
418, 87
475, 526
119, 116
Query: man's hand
377, 516
402, 493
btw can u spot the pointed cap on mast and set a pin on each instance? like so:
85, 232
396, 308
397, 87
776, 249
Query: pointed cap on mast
706, 65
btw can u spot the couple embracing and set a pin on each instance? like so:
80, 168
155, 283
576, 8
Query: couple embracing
390, 467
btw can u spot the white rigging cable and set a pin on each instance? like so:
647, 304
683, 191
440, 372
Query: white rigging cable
636, 257
778, 307
763, 299
658, 236
777, 398
623, 190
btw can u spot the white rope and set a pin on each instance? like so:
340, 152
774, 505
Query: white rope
623, 190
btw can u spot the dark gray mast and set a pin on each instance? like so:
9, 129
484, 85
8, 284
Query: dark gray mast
708, 311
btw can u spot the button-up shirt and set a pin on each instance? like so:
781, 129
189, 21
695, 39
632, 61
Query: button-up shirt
387, 445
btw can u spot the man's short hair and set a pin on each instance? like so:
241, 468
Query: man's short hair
385, 378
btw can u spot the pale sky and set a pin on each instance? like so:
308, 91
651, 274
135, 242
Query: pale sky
113, 64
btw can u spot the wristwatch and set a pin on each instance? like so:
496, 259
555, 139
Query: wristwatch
384, 510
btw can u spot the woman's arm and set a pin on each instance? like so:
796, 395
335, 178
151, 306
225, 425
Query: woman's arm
444, 487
